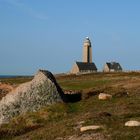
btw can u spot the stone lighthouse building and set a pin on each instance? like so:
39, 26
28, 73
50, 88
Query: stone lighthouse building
87, 66
87, 51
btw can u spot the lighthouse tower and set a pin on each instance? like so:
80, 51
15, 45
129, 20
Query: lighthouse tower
87, 51
86, 66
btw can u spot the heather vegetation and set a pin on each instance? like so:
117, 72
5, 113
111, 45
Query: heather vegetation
63, 120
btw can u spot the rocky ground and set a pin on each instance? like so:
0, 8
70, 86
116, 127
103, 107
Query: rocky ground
110, 102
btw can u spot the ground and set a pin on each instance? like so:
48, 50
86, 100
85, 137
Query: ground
63, 121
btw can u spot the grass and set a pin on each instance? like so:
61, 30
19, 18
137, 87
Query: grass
16, 80
80, 84
62, 120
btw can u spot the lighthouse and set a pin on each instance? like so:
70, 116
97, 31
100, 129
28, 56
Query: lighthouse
87, 51
86, 66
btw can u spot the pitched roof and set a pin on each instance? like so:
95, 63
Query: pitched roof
86, 66
114, 65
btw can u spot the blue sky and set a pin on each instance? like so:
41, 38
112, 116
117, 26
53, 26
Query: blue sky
49, 34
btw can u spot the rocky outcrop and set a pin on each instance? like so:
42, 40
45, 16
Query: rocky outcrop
72, 95
41, 91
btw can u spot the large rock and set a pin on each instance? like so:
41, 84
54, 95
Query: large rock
41, 91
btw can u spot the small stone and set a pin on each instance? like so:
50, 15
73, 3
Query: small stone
91, 127
132, 123
104, 96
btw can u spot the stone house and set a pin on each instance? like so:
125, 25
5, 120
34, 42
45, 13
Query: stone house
83, 67
112, 67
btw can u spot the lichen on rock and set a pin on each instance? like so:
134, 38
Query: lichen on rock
41, 91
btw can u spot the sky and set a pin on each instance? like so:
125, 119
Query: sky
49, 34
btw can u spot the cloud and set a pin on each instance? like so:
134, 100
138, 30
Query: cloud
26, 9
